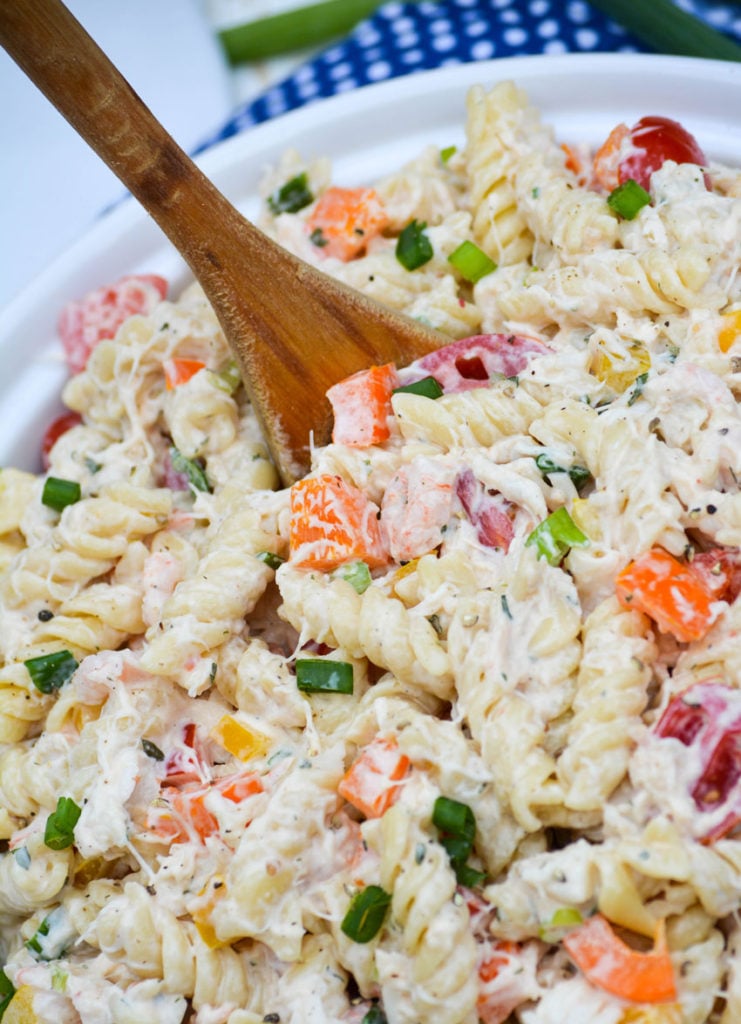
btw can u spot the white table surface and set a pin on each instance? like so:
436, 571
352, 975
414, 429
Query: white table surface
51, 185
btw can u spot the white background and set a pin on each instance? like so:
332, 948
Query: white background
52, 186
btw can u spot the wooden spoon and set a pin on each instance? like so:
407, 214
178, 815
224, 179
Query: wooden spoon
294, 330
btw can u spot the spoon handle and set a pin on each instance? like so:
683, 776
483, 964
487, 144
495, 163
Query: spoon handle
294, 330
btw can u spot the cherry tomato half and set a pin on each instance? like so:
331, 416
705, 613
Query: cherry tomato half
653, 141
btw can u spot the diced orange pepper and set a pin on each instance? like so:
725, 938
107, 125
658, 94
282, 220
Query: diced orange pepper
332, 523
188, 806
607, 158
669, 592
362, 405
612, 965
344, 220
495, 1007
730, 331
372, 783
179, 371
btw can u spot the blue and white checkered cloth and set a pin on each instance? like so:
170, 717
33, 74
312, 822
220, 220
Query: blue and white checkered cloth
401, 38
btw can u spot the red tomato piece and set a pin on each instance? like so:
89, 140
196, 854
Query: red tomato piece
707, 717
654, 140
487, 512
720, 571
54, 431
84, 323
472, 362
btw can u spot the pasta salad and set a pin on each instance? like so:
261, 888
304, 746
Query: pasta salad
446, 732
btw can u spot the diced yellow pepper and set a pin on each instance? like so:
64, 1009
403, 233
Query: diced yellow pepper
207, 900
240, 740
620, 369
20, 1008
586, 518
730, 331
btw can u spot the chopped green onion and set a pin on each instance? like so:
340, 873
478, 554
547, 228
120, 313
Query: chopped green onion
152, 750
357, 574
7, 991
413, 247
454, 818
49, 672
638, 387
270, 559
321, 675
59, 979
366, 913
22, 857
58, 493
579, 475
375, 1016
318, 238
555, 535
293, 196
195, 473
469, 876
428, 387
564, 917
60, 825
446, 152
471, 262
628, 199
227, 379
53, 936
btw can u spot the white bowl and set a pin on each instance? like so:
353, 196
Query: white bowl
366, 133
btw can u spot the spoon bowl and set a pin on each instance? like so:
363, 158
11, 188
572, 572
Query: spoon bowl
294, 330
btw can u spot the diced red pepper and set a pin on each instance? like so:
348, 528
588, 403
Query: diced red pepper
487, 512
472, 362
179, 371
344, 220
186, 763
707, 717
84, 323
373, 781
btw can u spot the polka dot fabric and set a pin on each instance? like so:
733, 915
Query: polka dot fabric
402, 38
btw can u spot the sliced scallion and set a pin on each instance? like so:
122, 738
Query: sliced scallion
555, 535
227, 379
7, 991
665, 27
366, 913
628, 199
471, 262
321, 675
292, 196
50, 672
58, 493
152, 750
53, 936
195, 474
357, 574
579, 475
428, 387
270, 559
454, 818
413, 247
468, 876
375, 1016
59, 832
446, 152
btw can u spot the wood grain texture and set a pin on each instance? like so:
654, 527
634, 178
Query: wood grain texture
294, 330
